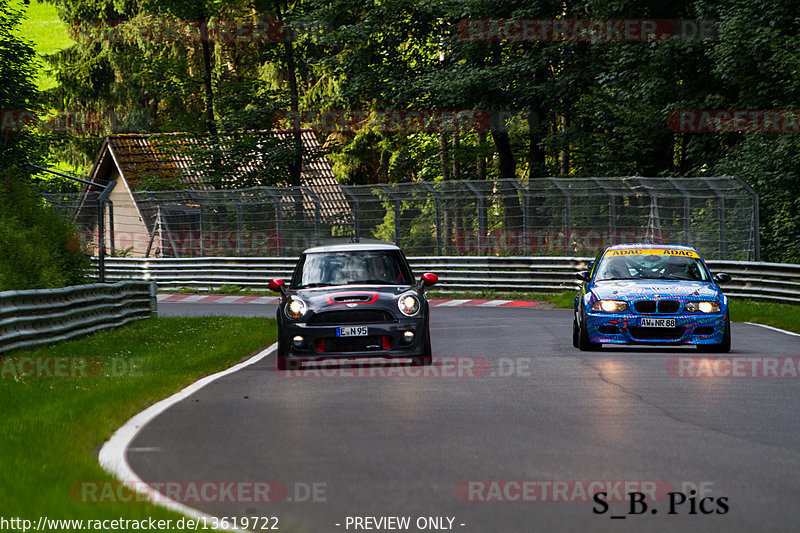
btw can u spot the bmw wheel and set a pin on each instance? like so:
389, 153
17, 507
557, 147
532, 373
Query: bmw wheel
725, 345
584, 344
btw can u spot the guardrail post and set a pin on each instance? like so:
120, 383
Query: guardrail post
354, 198
153, 299
482, 223
239, 228
756, 221
438, 206
202, 231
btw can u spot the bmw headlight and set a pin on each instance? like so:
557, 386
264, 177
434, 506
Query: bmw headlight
408, 304
296, 308
703, 307
610, 306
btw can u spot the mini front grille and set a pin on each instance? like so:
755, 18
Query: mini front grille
351, 316
656, 333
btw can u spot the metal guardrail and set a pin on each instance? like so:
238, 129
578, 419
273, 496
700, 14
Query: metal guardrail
33, 317
761, 281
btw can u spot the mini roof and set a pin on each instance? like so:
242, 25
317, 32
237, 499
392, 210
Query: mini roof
350, 248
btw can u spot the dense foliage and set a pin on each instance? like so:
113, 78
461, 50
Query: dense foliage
38, 249
555, 107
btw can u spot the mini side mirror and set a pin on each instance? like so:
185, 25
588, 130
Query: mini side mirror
429, 279
722, 277
583, 275
277, 285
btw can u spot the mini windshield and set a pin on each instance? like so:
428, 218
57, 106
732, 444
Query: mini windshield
652, 267
381, 267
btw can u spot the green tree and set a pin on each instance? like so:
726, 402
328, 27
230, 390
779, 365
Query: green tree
38, 249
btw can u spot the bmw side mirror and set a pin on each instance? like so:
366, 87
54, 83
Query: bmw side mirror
722, 277
428, 279
277, 285
583, 275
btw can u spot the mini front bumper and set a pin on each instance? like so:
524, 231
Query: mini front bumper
625, 328
321, 342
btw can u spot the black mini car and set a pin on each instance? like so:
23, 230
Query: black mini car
353, 301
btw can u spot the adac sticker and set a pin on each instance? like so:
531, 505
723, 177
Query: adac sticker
651, 251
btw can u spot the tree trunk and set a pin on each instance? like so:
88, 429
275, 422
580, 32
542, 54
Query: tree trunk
296, 163
480, 166
443, 156
209, 89
563, 158
536, 164
507, 168
456, 143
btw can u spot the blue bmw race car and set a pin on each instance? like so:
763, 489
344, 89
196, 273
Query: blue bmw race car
659, 294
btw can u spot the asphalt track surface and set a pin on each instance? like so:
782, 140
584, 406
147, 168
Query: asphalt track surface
533, 409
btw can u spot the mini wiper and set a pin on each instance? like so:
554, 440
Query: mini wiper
312, 285
369, 282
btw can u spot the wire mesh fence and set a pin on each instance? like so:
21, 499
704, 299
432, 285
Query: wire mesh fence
540, 216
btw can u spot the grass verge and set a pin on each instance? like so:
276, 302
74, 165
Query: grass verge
52, 428
783, 316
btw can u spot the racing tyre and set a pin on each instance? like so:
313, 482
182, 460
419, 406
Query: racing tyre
725, 345
583, 340
575, 334
426, 358
282, 362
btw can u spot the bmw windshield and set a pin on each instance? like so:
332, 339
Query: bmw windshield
667, 267
369, 267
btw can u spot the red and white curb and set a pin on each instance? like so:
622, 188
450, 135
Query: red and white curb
221, 299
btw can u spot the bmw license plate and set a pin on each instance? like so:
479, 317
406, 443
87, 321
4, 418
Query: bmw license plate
657, 322
353, 331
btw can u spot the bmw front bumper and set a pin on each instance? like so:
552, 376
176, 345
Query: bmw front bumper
626, 328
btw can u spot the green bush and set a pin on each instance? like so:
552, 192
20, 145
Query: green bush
38, 249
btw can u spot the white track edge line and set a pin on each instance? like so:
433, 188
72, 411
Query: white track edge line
112, 454
773, 329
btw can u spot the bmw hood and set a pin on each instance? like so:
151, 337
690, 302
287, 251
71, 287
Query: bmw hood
654, 288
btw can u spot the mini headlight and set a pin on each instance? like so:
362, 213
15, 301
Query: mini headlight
295, 308
408, 304
610, 306
703, 307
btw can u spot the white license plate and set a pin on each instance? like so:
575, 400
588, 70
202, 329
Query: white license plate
354, 331
657, 322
